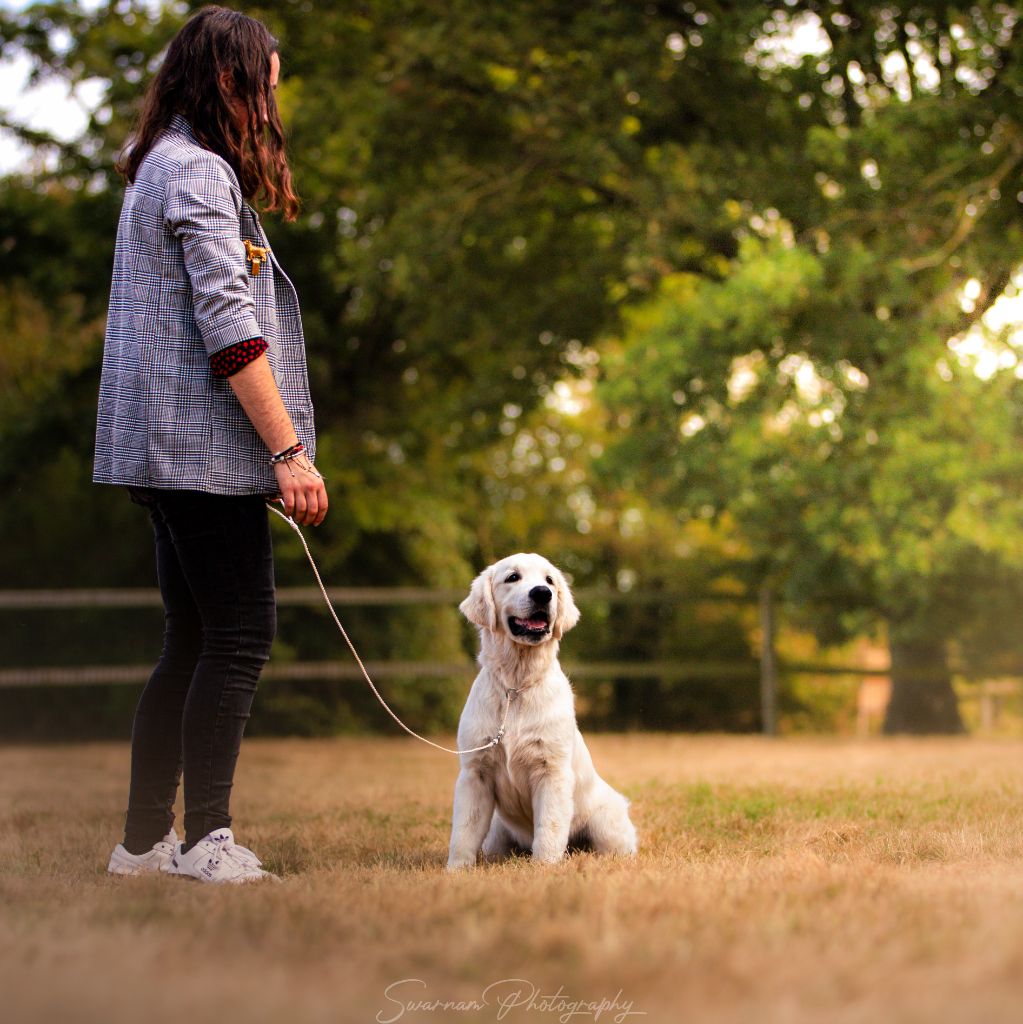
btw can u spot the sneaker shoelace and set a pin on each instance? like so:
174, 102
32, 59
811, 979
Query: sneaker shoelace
243, 853
224, 853
237, 858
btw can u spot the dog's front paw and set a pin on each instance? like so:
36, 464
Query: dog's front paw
549, 854
461, 863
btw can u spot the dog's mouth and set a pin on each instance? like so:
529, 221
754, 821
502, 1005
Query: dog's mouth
536, 626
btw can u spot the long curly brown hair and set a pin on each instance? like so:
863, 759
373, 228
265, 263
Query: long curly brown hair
218, 62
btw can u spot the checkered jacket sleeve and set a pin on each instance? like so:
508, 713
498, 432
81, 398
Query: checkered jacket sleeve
183, 291
203, 210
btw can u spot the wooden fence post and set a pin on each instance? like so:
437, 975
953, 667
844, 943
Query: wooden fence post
768, 663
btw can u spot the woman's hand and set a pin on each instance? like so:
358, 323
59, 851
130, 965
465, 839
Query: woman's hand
303, 491
301, 487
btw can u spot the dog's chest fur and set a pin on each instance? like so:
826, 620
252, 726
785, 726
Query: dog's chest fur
538, 741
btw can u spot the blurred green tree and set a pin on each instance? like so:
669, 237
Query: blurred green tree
820, 390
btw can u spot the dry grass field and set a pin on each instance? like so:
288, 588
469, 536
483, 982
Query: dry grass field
788, 881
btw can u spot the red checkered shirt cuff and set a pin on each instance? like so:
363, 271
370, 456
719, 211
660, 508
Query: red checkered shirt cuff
230, 360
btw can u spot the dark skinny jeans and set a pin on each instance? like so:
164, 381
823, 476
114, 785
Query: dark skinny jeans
214, 561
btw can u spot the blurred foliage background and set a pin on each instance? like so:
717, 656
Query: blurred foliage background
689, 296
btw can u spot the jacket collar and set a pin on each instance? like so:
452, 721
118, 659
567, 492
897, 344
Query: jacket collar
178, 123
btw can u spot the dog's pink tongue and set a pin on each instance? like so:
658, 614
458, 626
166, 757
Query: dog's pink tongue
536, 623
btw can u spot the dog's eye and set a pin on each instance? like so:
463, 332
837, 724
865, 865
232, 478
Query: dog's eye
513, 578
550, 581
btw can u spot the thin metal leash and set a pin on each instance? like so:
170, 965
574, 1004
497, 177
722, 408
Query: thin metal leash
509, 694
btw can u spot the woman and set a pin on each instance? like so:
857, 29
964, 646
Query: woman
204, 411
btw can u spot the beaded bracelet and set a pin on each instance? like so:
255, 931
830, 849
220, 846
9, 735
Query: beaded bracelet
288, 454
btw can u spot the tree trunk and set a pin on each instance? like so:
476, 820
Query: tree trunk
923, 700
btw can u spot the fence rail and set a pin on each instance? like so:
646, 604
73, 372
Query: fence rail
149, 597
323, 670
121, 598
771, 668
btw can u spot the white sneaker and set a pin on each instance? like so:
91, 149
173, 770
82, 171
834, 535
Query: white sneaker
217, 859
157, 859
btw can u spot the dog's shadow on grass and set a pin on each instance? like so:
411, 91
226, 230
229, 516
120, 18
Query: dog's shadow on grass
400, 859
433, 860
292, 859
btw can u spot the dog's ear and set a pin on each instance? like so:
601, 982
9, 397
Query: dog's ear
479, 607
568, 614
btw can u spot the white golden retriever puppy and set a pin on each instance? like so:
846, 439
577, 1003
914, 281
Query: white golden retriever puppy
537, 789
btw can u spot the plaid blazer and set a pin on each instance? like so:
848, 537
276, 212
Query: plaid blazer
183, 290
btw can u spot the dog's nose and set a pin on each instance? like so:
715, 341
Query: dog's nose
541, 595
